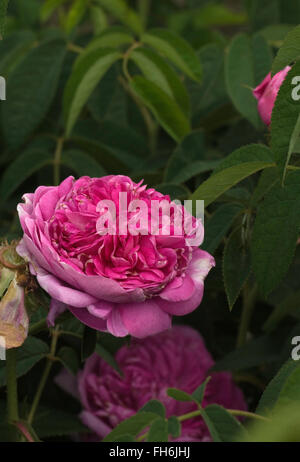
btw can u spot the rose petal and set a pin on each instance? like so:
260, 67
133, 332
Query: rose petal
143, 319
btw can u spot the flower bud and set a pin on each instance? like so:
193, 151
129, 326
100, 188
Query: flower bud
13, 316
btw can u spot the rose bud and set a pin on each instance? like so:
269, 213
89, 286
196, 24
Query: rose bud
266, 94
124, 283
177, 358
13, 316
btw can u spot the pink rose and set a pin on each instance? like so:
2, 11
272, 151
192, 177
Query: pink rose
124, 284
173, 359
266, 94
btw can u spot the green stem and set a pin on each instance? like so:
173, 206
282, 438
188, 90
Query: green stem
198, 413
44, 378
75, 48
249, 297
57, 159
11, 380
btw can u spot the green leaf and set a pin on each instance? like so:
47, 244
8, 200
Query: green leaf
256, 352
179, 395
165, 109
22, 168
158, 432
83, 80
218, 225
13, 48
288, 52
175, 191
194, 169
272, 392
155, 407
120, 10
98, 18
75, 15
236, 266
48, 7
223, 426
156, 70
267, 180
89, 342
174, 426
108, 357
3, 10
199, 393
290, 392
285, 123
275, 233
176, 49
30, 94
191, 149
29, 354
54, 422
220, 182
283, 427
288, 306
111, 143
82, 163
262, 57
69, 359
240, 77
248, 153
114, 37
132, 426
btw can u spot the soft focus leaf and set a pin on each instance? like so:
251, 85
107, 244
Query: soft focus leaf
218, 225
165, 109
69, 359
289, 51
54, 422
29, 354
154, 406
174, 426
179, 395
285, 123
223, 426
158, 431
21, 169
83, 81
275, 233
75, 15
82, 163
121, 10
3, 10
88, 343
30, 94
236, 266
132, 426
240, 77
159, 72
176, 49
272, 392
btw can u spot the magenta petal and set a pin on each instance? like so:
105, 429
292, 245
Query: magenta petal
88, 319
68, 382
259, 90
173, 293
115, 324
143, 319
101, 309
95, 424
62, 292
56, 308
184, 307
199, 267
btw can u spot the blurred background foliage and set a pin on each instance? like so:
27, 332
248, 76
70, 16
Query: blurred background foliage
159, 90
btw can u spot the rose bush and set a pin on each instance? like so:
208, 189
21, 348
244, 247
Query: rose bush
123, 284
174, 359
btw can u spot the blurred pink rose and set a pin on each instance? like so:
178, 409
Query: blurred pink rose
176, 358
266, 94
124, 284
